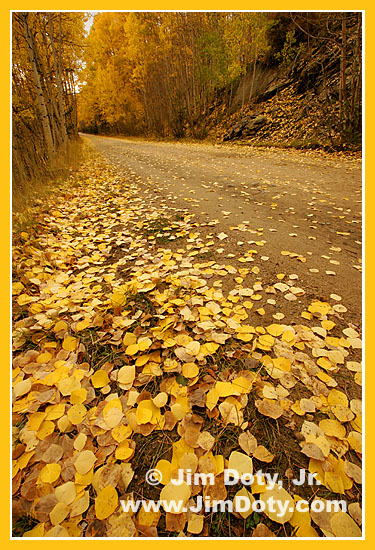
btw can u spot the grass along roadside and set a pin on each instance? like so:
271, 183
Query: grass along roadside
28, 194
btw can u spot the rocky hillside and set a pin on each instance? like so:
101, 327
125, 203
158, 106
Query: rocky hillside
294, 106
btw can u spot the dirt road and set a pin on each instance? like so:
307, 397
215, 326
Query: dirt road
302, 210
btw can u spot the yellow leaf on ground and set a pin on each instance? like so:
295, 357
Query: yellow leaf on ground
47, 427
270, 408
76, 413
83, 324
164, 467
121, 432
242, 502
175, 496
78, 396
80, 441
195, 524
126, 374
59, 513
190, 370
99, 379
132, 349
332, 428
21, 388
124, 451
84, 461
241, 463
66, 492
80, 505
193, 347
160, 399
337, 397
144, 411
285, 504
106, 502
50, 473
148, 518
69, 343
263, 454
342, 525
144, 343
37, 531
275, 330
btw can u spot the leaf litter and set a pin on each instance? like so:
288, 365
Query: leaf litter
129, 354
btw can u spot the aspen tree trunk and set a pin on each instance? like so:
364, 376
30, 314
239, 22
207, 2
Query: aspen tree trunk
38, 88
61, 79
47, 85
343, 95
357, 79
57, 68
254, 71
243, 94
69, 99
74, 103
230, 95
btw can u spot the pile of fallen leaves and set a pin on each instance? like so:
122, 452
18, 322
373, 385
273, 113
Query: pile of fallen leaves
128, 355
292, 119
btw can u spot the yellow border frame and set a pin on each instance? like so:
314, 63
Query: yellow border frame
240, 5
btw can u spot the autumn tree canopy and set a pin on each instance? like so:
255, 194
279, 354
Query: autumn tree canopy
158, 73
46, 52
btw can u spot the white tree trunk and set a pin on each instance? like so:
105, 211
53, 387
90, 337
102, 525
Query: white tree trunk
38, 89
57, 68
